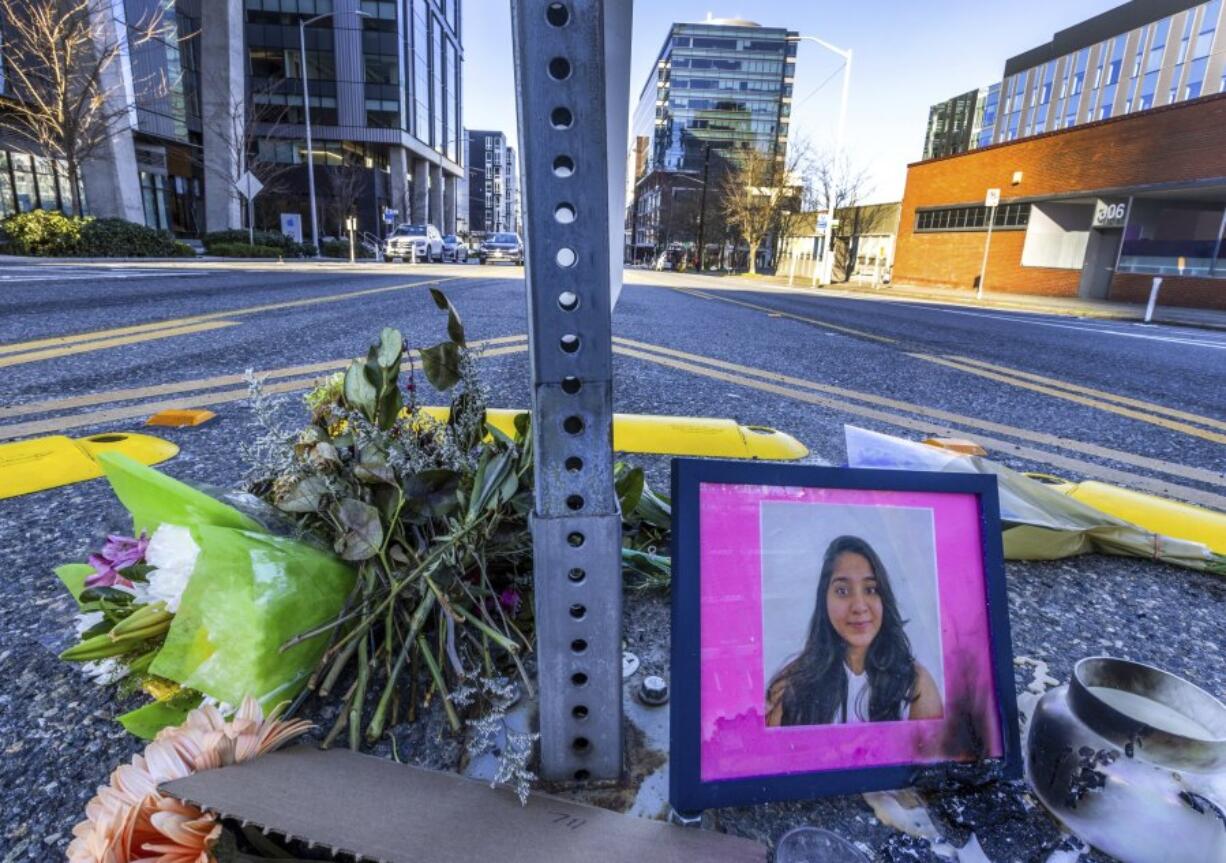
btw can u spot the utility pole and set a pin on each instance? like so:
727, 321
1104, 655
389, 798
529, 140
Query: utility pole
702, 206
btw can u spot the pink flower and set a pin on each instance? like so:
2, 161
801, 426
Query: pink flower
510, 599
119, 553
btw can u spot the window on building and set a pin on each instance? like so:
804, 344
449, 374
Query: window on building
1008, 216
1161, 232
23, 182
7, 205
1201, 50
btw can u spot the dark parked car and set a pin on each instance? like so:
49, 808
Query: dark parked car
502, 247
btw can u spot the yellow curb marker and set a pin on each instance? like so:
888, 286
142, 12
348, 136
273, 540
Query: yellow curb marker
668, 435
49, 462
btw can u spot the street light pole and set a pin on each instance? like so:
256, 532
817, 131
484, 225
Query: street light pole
306, 107
827, 244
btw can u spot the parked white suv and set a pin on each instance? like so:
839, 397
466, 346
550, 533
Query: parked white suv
406, 240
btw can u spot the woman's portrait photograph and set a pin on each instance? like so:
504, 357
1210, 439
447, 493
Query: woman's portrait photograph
851, 630
845, 628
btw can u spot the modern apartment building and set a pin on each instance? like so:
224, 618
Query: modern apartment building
493, 184
1107, 156
222, 86
1142, 55
718, 86
955, 125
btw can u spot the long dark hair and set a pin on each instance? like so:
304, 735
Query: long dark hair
812, 687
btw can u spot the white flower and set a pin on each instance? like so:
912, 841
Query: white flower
226, 709
104, 671
86, 621
172, 553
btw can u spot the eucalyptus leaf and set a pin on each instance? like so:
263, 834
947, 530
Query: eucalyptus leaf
391, 347
374, 472
491, 474
433, 493
360, 393
441, 364
305, 495
455, 329
363, 536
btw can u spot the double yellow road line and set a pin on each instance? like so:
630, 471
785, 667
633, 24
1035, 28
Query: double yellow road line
18, 353
1171, 419
916, 419
203, 392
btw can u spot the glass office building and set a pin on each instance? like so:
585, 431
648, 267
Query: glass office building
718, 87
726, 83
385, 91
956, 125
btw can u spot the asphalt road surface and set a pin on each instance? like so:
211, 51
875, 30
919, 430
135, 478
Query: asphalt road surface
96, 348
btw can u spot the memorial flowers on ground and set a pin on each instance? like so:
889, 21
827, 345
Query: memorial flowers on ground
378, 563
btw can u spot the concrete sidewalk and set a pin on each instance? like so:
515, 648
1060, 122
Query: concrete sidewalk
1068, 306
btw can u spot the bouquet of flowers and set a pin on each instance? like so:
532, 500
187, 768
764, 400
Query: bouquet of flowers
196, 604
386, 557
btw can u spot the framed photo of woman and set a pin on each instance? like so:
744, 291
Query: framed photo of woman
834, 631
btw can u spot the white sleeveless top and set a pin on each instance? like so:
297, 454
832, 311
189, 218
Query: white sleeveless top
858, 695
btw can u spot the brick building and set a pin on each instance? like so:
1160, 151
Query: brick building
1095, 210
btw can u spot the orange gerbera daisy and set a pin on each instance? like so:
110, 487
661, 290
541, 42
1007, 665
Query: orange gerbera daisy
130, 821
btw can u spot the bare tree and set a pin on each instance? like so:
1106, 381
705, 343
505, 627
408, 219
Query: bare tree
760, 191
840, 184
254, 143
346, 183
60, 60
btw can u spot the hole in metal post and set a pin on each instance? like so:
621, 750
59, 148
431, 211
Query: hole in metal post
569, 343
574, 464
568, 301
579, 711
564, 214
557, 14
571, 385
579, 678
572, 425
578, 646
559, 68
565, 258
574, 502
577, 575
561, 118
581, 744
575, 538
582, 775
563, 166
578, 611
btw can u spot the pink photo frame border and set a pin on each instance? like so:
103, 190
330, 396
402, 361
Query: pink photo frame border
735, 741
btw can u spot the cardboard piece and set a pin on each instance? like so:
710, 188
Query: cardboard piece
378, 810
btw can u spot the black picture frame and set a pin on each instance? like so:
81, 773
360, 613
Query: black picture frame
689, 794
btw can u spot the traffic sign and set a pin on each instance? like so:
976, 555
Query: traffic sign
249, 185
992, 199
389, 215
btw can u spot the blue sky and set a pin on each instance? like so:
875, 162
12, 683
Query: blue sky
908, 54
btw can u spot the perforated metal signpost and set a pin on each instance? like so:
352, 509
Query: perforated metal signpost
569, 190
